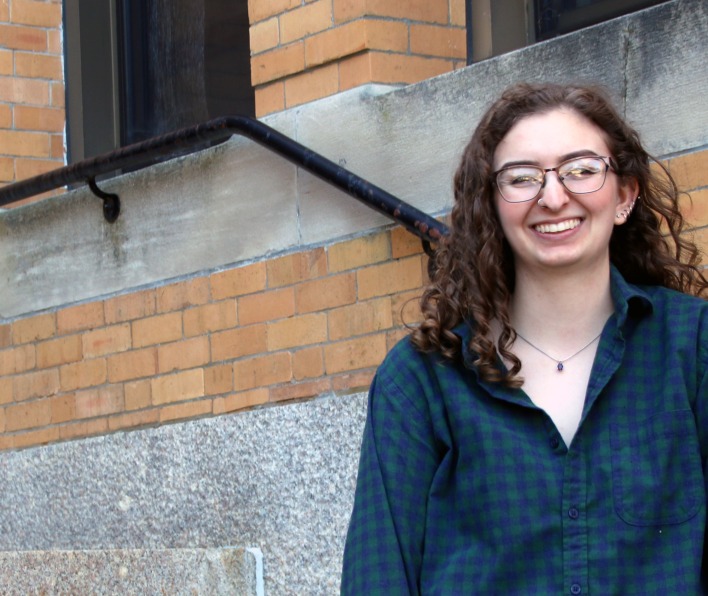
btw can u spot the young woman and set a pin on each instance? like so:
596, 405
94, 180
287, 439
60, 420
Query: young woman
545, 429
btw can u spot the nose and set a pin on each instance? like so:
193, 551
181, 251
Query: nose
553, 193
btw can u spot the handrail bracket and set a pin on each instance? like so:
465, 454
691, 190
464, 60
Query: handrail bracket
111, 201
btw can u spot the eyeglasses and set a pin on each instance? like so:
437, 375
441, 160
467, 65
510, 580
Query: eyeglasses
579, 175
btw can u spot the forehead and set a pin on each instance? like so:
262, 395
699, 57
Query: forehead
548, 137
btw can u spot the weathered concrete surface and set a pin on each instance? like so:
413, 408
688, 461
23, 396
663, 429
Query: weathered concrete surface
278, 478
188, 572
237, 202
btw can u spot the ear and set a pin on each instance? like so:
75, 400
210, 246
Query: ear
627, 194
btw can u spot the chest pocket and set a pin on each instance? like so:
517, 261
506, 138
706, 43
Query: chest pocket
656, 470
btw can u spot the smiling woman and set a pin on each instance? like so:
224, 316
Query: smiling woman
561, 370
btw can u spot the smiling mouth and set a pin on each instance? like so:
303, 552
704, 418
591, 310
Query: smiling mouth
561, 226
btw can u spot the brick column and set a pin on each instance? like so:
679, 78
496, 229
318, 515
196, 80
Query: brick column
31, 89
302, 50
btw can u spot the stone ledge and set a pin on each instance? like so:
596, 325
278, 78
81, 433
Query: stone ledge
133, 571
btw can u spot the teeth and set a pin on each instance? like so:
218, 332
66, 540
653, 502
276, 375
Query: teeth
562, 226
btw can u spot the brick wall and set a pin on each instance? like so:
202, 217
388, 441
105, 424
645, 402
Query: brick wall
31, 88
287, 328
302, 50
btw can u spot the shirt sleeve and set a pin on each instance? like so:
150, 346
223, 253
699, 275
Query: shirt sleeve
384, 546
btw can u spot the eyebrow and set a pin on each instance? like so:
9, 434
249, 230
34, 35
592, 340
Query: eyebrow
562, 158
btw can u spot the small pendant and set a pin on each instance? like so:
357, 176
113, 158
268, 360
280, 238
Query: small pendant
560, 367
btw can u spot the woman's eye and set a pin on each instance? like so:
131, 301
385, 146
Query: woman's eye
522, 179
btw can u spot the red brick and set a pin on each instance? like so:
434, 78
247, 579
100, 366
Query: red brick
237, 282
134, 364
360, 319
39, 14
6, 392
84, 374
43, 383
35, 118
359, 252
239, 401
38, 66
218, 379
262, 371
311, 85
429, 11
329, 292
308, 363
270, 98
188, 410
134, 419
435, 40
63, 409
689, 170
17, 360
180, 386
157, 329
297, 267
58, 351
138, 395
132, 306
85, 428
353, 382
37, 437
405, 308
300, 390
78, 318
266, 306
180, 355
363, 352
23, 38
5, 336
33, 328
29, 168
390, 278
107, 340
264, 35
28, 415
404, 244
25, 91
263, 9
210, 317
297, 331
183, 295
99, 402
235, 343
301, 22
277, 63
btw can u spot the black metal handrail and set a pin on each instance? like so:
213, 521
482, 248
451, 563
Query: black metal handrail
192, 139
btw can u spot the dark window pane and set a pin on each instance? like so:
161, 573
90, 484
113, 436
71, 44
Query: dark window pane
183, 62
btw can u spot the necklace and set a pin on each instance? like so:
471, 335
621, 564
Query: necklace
560, 363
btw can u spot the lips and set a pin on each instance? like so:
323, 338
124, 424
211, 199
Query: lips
554, 228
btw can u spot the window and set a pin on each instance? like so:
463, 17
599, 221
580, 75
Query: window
498, 26
141, 68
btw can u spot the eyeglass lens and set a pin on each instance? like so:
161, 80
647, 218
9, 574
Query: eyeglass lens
580, 175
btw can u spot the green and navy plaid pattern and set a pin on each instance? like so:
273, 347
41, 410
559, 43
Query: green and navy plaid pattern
466, 487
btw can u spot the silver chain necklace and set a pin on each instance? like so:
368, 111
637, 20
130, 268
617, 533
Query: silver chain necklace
560, 363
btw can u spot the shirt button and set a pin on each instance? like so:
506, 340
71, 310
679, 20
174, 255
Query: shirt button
573, 513
575, 589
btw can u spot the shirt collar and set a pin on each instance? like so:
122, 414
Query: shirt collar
627, 298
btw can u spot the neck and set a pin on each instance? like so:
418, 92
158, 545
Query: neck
559, 307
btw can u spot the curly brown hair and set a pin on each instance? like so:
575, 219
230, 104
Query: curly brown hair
474, 265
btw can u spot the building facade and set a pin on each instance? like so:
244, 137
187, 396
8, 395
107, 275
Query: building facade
210, 350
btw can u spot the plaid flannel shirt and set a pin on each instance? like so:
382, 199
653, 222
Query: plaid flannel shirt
466, 487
